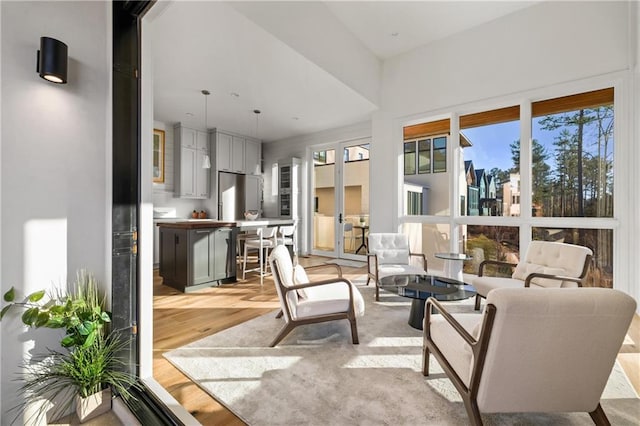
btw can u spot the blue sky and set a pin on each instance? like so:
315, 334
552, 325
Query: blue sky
491, 144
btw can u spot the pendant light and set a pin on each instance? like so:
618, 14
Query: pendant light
206, 161
257, 113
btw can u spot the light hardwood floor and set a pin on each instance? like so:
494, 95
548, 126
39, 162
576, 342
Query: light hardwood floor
181, 318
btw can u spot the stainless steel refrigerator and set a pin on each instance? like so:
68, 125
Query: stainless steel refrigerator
231, 196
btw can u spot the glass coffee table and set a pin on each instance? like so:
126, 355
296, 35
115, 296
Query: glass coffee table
421, 287
453, 264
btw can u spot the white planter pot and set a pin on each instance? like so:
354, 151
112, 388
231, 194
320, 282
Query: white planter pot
93, 405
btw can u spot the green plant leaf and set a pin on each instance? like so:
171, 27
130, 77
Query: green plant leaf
37, 296
55, 323
30, 315
10, 295
86, 328
67, 341
105, 317
91, 337
58, 310
4, 311
42, 319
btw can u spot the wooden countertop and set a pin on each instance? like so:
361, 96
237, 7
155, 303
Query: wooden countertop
213, 223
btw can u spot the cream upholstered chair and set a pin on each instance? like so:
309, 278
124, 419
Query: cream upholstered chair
389, 254
546, 264
306, 302
549, 350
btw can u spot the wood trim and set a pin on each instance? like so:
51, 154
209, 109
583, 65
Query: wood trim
591, 99
431, 128
495, 116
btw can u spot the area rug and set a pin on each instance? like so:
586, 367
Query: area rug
317, 377
346, 262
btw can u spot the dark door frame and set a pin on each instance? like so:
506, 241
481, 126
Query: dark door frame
126, 197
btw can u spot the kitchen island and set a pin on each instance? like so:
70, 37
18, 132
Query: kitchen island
199, 253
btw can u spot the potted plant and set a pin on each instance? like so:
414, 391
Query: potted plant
89, 367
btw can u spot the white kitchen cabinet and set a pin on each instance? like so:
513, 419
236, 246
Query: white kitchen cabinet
191, 146
253, 193
236, 153
223, 143
201, 178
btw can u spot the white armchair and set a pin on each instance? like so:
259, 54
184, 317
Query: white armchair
549, 350
306, 302
546, 264
389, 254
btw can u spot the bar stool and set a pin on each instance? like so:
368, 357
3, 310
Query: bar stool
265, 241
287, 237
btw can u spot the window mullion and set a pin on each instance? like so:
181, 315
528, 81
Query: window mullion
526, 185
453, 165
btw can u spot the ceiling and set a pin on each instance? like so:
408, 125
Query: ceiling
225, 48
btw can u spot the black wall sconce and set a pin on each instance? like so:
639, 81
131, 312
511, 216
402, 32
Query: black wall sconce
52, 60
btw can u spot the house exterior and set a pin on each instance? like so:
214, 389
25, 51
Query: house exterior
55, 145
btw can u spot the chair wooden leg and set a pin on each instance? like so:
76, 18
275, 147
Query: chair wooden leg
368, 279
425, 361
282, 334
472, 411
478, 297
354, 331
377, 293
599, 417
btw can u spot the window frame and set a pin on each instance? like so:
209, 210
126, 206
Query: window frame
620, 223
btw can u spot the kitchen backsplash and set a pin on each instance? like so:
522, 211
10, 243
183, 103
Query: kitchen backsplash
182, 206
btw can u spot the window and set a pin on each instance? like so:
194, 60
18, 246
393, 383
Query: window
440, 154
491, 155
424, 156
573, 171
320, 157
425, 166
490, 243
410, 158
414, 203
570, 174
429, 239
600, 241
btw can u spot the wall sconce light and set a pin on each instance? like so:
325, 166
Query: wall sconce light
52, 60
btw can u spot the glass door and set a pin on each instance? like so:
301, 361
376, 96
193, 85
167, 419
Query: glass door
341, 199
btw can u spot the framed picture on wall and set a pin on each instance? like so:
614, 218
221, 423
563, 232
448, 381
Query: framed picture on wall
158, 156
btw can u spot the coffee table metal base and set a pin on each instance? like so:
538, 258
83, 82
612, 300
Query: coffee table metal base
416, 316
421, 287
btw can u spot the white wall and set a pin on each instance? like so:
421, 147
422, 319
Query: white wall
56, 156
635, 136
311, 29
532, 48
